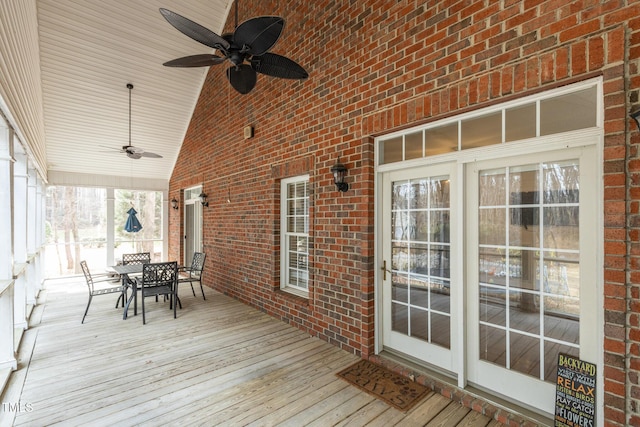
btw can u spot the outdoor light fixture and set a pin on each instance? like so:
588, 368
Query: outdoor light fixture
174, 203
203, 199
636, 117
339, 172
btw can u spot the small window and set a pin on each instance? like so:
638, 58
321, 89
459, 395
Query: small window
391, 150
482, 131
564, 113
295, 235
520, 122
413, 145
442, 139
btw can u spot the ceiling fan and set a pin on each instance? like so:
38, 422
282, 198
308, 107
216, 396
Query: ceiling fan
131, 151
249, 42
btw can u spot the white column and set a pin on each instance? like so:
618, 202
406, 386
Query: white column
20, 236
111, 242
32, 209
42, 210
7, 350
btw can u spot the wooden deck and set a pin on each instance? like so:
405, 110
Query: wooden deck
219, 363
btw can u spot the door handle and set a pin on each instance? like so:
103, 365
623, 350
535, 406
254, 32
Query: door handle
384, 270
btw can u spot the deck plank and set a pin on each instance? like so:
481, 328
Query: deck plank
474, 419
427, 410
451, 415
219, 363
247, 404
365, 415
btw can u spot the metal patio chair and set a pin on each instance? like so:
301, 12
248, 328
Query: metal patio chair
194, 273
137, 258
96, 285
159, 279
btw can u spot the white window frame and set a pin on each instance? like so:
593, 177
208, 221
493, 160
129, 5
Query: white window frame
285, 270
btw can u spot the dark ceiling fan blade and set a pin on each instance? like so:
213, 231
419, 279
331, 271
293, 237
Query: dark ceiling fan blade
242, 77
110, 148
259, 34
137, 153
196, 31
275, 65
150, 155
204, 60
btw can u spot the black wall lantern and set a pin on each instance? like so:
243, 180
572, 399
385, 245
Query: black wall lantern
339, 172
203, 199
174, 203
636, 117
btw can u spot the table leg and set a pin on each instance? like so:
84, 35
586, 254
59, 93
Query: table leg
134, 296
125, 304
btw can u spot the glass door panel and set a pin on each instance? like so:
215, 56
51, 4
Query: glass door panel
526, 224
525, 244
192, 224
417, 316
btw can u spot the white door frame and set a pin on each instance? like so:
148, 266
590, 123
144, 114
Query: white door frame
593, 339
440, 357
193, 207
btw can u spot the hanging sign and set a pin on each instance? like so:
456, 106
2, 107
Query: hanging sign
575, 393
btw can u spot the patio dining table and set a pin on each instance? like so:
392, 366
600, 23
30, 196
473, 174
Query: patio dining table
124, 270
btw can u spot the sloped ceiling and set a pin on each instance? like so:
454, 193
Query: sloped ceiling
90, 50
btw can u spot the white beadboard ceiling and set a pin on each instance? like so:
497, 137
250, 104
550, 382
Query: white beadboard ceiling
89, 51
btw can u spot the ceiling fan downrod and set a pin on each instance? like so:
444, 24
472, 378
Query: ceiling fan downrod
129, 86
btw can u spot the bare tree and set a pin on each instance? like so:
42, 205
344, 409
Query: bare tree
71, 229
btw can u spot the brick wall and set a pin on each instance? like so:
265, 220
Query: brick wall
378, 66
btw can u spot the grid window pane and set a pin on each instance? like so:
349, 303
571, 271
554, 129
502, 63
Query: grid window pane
520, 122
413, 145
482, 131
400, 318
493, 345
441, 139
529, 266
420, 219
296, 235
573, 111
391, 150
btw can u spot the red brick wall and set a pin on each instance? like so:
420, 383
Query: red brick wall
377, 66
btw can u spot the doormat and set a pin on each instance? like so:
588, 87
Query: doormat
394, 389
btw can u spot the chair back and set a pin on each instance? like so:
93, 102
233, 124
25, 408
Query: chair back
197, 263
139, 258
87, 275
159, 274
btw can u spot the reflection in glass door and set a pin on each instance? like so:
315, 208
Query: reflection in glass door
529, 291
417, 316
529, 266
